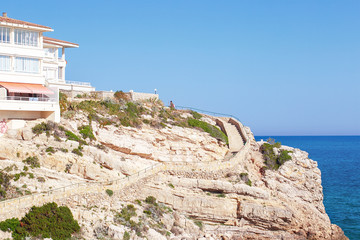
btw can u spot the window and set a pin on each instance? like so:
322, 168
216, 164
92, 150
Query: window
27, 38
4, 35
50, 52
28, 65
60, 73
5, 63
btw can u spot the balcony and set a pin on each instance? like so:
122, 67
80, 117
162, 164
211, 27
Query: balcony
17, 103
78, 83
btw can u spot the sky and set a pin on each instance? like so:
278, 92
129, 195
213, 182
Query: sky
282, 67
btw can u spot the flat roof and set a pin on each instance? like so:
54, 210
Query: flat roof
59, 42
23, 24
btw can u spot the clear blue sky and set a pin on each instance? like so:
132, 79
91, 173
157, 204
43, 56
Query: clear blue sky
283, 67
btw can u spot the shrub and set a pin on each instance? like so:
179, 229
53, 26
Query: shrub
171, 185
9, 225
33, 162
64, 150
47, 221
4, 183
41, 179
150, 200
40, 128
248, 182
50, 150
72, 136
87, 132
109, 192
77, 151
126, 213
63, 102
196, 115
271, 160
212, 130
120, 95
221, 195
199, 224
126, 236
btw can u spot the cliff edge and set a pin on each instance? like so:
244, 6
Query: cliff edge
158, 173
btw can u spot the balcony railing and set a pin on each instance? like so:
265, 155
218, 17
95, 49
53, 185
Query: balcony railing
79, 83
27, 99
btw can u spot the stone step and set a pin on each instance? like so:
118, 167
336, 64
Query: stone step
235, 140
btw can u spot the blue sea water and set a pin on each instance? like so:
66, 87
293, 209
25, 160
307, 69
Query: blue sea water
338, 158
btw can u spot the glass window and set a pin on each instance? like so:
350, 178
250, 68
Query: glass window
60, 72
4, 35
5, 63
28, 65
27, 38
50, 52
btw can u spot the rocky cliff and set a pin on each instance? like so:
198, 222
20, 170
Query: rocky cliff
203, 191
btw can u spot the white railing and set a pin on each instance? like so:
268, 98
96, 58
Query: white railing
79, 83
27, 99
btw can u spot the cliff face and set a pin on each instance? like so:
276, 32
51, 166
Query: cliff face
236, 202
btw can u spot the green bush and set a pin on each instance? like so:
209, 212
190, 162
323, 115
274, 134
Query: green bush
77, 151
64, 150
87, 132
4, 183
271, 160
72, 136
150, 200
126, 236
199, 224
47, 221
50, 150
41, 179
109, 192
9, 225
126, 213
33, 162
248, 182
63, 102
41, 128
196, 115
212, 130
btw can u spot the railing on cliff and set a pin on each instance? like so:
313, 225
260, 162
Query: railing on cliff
216, 114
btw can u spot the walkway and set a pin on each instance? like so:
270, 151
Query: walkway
16, 207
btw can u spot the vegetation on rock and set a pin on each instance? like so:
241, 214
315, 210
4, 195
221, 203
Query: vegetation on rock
47, 221
33, 162
272, 160
212, 130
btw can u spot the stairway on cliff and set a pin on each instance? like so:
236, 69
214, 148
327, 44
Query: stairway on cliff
235, 140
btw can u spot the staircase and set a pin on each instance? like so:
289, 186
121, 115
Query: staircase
236, 142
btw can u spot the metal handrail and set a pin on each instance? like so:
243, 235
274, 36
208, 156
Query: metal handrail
215, 114
27, 99
210, 113
78, 83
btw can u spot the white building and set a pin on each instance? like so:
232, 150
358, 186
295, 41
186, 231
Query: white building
32, 69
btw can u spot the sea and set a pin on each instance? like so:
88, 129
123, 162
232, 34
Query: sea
338, 158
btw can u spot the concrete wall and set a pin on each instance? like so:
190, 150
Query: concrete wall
103, 95
135, 96
73, 87
26, 115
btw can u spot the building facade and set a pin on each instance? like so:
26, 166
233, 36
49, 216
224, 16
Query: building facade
32, 70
